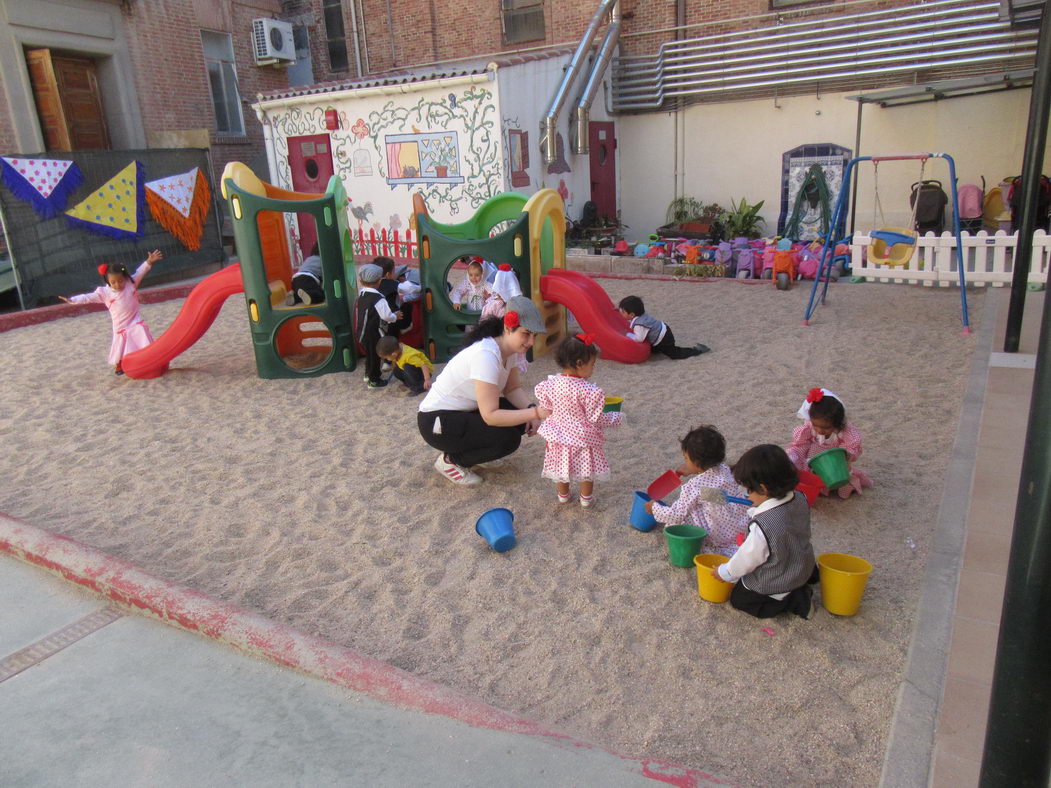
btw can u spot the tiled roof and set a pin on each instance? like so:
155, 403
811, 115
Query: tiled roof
447, 70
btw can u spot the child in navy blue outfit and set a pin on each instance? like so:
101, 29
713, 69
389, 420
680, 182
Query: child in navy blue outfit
645, 328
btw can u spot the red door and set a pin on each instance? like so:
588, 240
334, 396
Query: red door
310, 160
603, 146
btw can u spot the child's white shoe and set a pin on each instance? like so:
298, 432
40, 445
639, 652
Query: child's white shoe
564, 498
586, 500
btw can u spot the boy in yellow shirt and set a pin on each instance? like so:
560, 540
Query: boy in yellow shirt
410, 365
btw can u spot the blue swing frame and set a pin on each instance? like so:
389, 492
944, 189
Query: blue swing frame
827, 262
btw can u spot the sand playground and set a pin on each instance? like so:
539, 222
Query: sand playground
314, 502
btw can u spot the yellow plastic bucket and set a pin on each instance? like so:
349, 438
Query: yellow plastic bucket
709, 588
612, 404
843, 579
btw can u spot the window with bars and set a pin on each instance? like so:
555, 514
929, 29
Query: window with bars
222, 77
335, 34
522, 20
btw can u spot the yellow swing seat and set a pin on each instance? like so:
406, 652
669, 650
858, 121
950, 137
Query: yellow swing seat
892, 246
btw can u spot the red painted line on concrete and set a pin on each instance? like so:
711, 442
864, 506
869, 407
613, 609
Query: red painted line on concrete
45, 314
253, 634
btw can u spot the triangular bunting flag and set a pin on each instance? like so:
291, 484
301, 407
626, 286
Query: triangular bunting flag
43, 183
115, 209
180, 204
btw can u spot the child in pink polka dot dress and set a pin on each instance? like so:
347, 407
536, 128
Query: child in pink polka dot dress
574, 421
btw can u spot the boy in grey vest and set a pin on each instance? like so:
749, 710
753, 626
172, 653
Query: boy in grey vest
774, 567
645, 328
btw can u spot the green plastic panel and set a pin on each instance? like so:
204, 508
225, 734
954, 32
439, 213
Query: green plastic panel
445, 243
335, 313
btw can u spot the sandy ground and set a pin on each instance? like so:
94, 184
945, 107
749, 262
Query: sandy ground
315, 502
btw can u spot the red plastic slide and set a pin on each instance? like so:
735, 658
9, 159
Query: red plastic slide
597, 315
196, 316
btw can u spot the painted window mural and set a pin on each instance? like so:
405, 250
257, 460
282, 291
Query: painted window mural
423, 158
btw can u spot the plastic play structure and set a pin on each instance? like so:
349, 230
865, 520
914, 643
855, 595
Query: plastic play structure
289, 341
310, 340
532, 242
891, 246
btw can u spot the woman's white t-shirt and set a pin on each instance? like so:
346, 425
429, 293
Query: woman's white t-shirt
453, 388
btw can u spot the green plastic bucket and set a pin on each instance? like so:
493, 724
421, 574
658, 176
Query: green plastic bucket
684, 542
612, 404
831, 465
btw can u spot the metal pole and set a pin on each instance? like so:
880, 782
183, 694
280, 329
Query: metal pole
854, 187
1032, 165
1018, 738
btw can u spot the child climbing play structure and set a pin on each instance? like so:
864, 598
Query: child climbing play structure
891, 246
528, 233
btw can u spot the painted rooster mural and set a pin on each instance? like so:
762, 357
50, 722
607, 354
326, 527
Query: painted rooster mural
361, 213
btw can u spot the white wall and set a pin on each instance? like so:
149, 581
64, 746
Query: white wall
526, 92
733, 150
456, 113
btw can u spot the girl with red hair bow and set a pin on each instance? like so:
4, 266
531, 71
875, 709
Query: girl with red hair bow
120, 295
826, 427
575, 422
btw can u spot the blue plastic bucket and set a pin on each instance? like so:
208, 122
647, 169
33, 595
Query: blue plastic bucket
497, 528
640, 518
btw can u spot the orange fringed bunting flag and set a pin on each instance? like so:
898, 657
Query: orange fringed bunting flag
180, 204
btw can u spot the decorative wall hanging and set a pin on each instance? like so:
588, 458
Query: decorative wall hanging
180, 204
115, 209
45, 184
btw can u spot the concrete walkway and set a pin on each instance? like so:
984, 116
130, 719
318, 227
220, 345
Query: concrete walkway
93, 694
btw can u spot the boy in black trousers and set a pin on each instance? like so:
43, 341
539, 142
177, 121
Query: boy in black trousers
372, 316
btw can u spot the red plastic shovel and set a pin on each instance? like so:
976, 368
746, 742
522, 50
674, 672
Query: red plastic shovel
667, 483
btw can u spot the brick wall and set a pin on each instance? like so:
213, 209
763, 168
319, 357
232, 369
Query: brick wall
171, 78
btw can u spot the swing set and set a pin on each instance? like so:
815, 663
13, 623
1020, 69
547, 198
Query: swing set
891, 246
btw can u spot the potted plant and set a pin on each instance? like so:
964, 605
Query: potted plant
742, 220
689, 218
442, 158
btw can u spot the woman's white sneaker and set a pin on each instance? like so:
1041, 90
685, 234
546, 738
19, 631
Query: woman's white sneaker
457, 474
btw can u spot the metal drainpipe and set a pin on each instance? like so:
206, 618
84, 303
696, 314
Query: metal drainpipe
357, 44
390, 32
364, 37
580, 141
549, 123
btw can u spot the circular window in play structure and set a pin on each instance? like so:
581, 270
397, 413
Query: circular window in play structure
303, 343
465, 282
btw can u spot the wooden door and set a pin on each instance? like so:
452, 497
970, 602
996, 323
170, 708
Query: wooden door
603, 161
310, 161
68, 100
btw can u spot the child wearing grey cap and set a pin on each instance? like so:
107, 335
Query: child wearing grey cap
372, 317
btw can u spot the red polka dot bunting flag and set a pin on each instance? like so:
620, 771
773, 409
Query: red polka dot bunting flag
46, 184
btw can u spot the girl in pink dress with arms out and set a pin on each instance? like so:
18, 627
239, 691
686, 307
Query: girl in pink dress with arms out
574, 420
826, 427
120, 295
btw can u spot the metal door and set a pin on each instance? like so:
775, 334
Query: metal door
310, 160
603, 146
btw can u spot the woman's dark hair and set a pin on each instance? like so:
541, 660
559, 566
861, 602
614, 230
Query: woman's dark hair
766, 466
572, 352
116, 268
490, 327
705, 446
387, 344
386, 263
831, 410
632, 305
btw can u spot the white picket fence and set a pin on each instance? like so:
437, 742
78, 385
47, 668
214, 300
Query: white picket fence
989, 259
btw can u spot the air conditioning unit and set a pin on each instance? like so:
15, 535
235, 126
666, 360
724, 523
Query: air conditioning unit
272, 41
